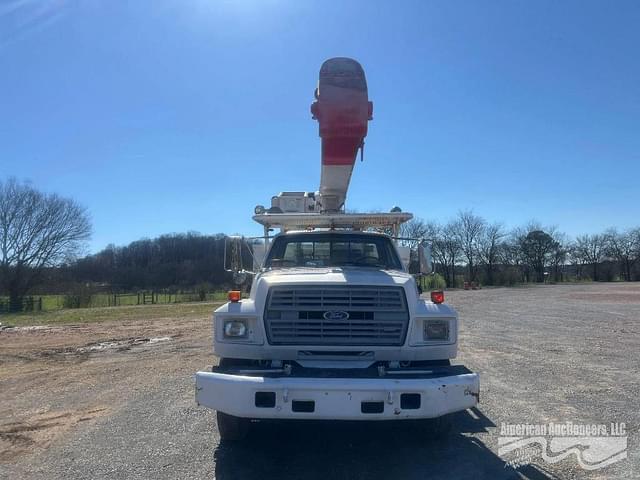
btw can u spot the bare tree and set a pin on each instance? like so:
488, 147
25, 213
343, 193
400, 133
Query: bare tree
489, 245
512, 258
37, 230
514, 253
468, 229
416, 229
446, 250
591, 249
439, 254
575, 259
625, 248
412, 233
559, 255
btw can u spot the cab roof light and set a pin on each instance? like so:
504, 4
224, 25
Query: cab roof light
234, 295
437, 296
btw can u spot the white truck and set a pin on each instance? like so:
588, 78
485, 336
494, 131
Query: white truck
335, 327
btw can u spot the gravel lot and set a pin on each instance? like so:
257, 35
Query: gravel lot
115, 399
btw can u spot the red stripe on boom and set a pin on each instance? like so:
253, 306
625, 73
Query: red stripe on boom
342, 109
339, 151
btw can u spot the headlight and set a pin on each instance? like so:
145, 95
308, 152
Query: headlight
235, 329
436, 329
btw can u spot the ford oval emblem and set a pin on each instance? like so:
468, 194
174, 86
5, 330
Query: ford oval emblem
336, 315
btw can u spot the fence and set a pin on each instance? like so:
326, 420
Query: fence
26, 304
58, 302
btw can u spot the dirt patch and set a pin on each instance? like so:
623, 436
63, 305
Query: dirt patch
37, 341
121, 344
53, 379
33, 328
83, 352
39, 430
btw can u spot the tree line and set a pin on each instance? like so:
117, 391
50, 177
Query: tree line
42, 235
169, 262
469, 248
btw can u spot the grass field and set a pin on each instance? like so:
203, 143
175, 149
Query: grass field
104, 314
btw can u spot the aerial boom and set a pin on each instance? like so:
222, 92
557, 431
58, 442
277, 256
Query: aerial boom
343, 109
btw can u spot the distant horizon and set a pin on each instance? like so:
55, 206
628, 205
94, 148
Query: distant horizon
174, 117
257, 230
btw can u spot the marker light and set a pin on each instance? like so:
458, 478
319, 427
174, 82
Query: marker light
234, 295
437, 296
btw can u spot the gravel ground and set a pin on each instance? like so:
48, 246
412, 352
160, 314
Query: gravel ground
115, 400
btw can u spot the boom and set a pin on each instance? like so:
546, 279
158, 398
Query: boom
342, 108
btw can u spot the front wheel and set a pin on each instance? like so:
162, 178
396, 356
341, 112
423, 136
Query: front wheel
436, 428
441, 426
232, 428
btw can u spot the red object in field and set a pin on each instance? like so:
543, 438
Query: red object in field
437, 296
343, 110
234, 295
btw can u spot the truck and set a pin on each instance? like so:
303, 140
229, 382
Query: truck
335, 327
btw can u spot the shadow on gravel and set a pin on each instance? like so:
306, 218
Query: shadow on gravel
365, 450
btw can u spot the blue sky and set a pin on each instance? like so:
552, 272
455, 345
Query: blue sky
170, 116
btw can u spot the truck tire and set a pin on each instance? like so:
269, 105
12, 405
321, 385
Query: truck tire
437, 428
441, 426
232, 428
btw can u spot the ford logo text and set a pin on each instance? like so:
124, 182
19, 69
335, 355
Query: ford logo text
336, 315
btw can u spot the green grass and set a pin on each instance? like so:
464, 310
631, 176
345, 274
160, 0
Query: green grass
106, 314
57, 302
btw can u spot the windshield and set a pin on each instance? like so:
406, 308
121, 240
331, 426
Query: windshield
332, 250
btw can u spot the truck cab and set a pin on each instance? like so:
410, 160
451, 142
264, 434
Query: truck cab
334, 328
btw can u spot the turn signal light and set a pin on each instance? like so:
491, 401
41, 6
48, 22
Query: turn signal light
234, 295
437, 296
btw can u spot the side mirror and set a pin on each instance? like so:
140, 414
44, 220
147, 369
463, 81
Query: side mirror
424, 258
233, 258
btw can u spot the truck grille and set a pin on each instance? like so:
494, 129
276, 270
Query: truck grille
317, 315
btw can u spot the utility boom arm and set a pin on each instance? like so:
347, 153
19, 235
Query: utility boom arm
342, 108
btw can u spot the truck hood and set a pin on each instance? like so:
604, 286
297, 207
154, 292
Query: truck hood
336, 275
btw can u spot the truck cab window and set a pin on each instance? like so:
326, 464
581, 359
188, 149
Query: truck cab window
332, 250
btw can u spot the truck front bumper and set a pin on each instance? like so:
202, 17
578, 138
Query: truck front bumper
427, 395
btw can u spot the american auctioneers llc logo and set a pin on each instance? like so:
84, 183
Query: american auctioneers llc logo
594, 445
